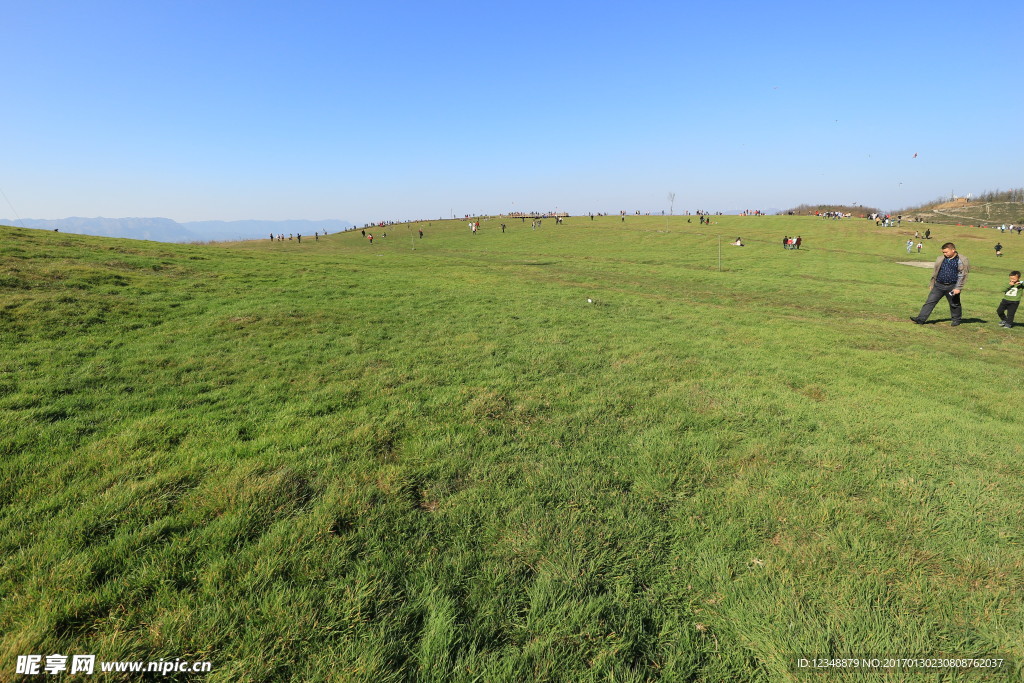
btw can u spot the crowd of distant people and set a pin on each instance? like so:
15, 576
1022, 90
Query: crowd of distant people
949, 276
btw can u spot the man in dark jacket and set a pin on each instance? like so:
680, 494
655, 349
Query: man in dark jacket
948, 279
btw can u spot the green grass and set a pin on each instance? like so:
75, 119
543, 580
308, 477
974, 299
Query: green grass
351, 462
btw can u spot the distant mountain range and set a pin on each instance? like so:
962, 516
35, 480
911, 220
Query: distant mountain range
167, 230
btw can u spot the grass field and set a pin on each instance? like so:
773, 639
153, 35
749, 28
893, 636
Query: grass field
434, 460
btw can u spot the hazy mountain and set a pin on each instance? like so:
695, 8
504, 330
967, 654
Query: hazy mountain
232, 230
156, 229
167, 230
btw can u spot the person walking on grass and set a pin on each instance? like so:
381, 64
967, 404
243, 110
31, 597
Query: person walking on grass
948, 279
999, 249
1011, 299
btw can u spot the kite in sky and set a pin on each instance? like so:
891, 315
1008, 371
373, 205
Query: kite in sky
915, 156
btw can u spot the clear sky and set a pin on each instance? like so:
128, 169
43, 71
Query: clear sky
371, 110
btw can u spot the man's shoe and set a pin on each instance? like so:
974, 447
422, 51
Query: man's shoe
916, 321
1002, 323
954, 323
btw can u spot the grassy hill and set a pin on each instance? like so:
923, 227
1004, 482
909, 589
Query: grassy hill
434, 460
973, 213
857, 211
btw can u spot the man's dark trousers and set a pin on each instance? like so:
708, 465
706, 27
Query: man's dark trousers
940, 290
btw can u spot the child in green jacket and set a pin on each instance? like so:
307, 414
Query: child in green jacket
1011, 299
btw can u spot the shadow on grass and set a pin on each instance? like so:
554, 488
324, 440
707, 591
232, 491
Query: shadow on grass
963, 321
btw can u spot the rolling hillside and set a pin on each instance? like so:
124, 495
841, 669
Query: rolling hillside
980, 212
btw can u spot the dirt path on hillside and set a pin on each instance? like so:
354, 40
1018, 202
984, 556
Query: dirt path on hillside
961, 217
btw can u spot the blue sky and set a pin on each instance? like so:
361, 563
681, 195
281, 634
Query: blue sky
400, 110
